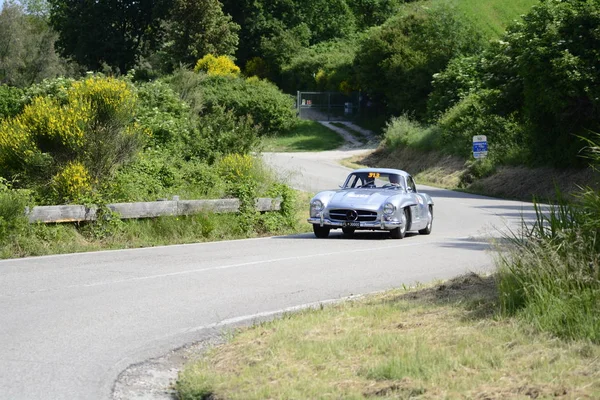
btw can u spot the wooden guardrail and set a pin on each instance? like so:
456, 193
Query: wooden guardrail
150, 209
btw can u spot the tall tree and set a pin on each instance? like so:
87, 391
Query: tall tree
27, 53
112, 32
196, 28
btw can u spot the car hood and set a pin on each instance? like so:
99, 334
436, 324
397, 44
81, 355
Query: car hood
360, 198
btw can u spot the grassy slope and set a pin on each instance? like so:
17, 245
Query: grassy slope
306, 136
492, 16
438, 342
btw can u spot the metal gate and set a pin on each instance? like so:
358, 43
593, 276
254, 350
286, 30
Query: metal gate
327, 106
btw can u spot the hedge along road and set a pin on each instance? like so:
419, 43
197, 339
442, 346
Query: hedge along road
69, 324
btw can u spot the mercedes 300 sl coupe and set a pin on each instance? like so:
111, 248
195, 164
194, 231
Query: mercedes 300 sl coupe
377, 199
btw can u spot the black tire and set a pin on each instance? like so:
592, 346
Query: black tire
321, 231
427, 229
348, 232
400, 232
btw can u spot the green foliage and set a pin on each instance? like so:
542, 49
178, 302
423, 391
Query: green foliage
332, 59
10, 101
198, 28
554, 48
395, 65
57, 88
218, 134
107, 33
285, 220
477, 169
13, 221
27, 53
493, 16
161, 173
475, 115
268, 107
162, 112
107, 224
276, 30
238, 172
373, 12
462, 76
188, 85
405, 131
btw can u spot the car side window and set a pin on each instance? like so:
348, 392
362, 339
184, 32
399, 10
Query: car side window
411, 184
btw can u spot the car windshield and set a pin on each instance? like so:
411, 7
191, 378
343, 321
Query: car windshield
373, 180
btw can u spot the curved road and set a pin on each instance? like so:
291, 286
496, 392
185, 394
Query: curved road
69, 324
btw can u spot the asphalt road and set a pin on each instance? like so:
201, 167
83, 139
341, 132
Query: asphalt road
70, 324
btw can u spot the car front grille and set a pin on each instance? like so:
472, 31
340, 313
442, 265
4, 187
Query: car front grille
347, 215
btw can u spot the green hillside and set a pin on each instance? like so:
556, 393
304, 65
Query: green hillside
493, 16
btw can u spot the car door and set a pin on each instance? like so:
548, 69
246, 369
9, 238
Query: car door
421, 206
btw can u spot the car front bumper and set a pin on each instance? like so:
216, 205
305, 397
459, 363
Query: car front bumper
369, 225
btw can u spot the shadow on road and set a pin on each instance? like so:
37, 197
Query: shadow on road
337, 235
444, 193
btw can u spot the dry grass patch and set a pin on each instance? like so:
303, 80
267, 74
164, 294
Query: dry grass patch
428, 167
439, 342
449, 172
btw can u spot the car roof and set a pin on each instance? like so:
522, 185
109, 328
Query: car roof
382, 171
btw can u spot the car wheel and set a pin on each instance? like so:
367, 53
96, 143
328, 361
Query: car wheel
348, 232
400, 232
427, 229
321, 231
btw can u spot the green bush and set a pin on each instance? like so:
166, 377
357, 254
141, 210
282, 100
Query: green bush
219, 133
405, 131
461, 77
475, 115
162, 112
262, 100
56, 88
12, 211
10, 101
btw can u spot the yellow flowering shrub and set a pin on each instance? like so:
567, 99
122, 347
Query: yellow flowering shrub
221, 65
72, 183
236, 167
106, 97
93, 125
16, 145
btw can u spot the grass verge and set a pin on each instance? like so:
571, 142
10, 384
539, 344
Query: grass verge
305, 136
444, 341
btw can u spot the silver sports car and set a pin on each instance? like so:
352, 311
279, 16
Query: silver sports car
373, 199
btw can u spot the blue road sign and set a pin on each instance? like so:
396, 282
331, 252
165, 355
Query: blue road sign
480, 146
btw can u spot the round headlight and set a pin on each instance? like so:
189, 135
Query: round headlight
389, 208
317, 205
